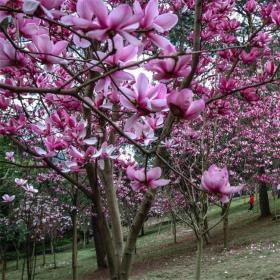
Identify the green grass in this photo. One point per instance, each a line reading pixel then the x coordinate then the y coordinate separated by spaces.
pixel 254 252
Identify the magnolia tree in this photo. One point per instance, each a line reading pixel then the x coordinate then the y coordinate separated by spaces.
pixel 76 91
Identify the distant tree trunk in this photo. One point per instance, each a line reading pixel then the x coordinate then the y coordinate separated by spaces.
pixel 198 257
pixel 23 268
pixel 28 251
pixel 44 252
pixel 98 243
pixel 74 239
pixel 53 252
pixel 3 262
pixel 264 201
pixel 174 227
pixel 34 261
pixel 225 225
pixel 17 252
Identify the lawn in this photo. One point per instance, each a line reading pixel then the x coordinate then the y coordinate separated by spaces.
pixel 254 252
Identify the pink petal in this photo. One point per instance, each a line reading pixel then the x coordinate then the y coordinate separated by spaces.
pixel 130 171
pixel 159 41
pixel 84 9
pixel 130 38
pixel 151 11
pixel 142 85
pixel 59 47
pixel 100 10
pixel 160 183
pixel 165 22
pixel 120 15
pixel 154 173
pixel 195 109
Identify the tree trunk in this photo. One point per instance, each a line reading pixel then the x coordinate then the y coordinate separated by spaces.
pixel 198 257
pixel 17 252
pixel 142 231
pixel 28 259
pixel 98 242
pixel 74 237
pixel 174 227
pixel 4 266
pixel 264 201
pixel 74 246
pixel 102 225
pixel 23 268
pixel 53 253
pixel 44 252
pixel 34 258
pixel 225 225
pixel 110 191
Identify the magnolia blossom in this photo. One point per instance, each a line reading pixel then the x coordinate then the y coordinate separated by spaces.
pixel 9 56
pixel 31 6
pixel 106 151
pixel 216 180
pixel 140 180
pixel 48 51
pixel 182 105
pixel 30 189
pixel 8 198
pixel 250 94
pixel 121 20
pixel 10 156
pixel 250 6
pixel 144 98
pixel 151 19
pixel 170 68
pixel 20 182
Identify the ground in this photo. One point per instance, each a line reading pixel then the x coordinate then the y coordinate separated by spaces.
pixel 254 250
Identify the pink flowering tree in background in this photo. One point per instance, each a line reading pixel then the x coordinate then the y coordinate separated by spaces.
pixel 84 82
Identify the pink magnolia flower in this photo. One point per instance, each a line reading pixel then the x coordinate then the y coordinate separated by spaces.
pixel 275 15
pixel 150 19
pixel 60 119
pixel 48 51
pixel 20 182
pixel 10 156
pixel 170 68
pixel 216 180
pixel 121 21
pixel 41 129
pixel 249 57
pixel 262 39
pixel 143 181
pixel 182 105
pixel 8 198
pixel 4 103
pixel 143 133
pixel 145 98
pixel 31 6
pixel 122 56
pixel 55 144
pixel 250 94
pixel 226 85
pixel 12 126
pixel 30 189
pixel 9 56
pixel 250 6
pixel 29 26
pixel 106 151
pixel 269 67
